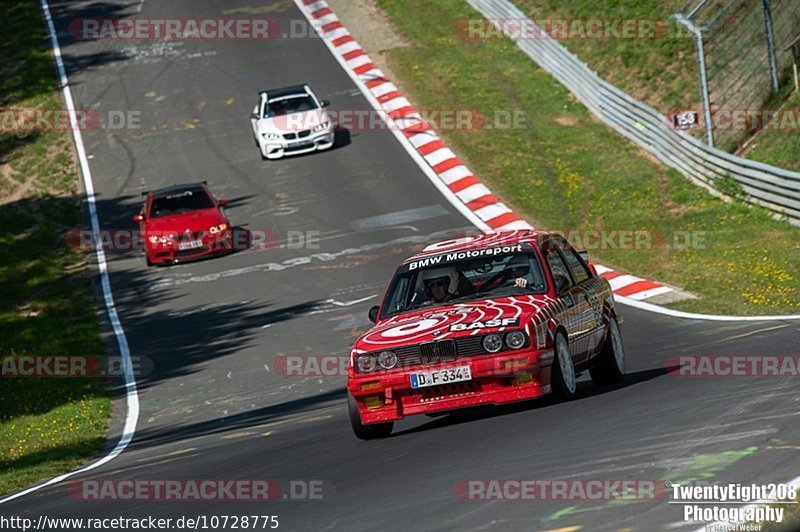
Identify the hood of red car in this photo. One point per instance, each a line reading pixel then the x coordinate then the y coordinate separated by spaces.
pixel 193 221
pixel 453 321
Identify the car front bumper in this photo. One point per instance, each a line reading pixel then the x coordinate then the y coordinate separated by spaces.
pixel 171 253
pixel 279 148
pixel 496 379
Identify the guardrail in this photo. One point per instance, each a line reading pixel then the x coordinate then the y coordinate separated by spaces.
pixel 773 188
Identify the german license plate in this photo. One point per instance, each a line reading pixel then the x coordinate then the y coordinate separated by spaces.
pixel 423 379
pixel 194 244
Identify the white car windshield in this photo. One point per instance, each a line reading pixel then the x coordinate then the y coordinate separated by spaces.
pixel 457 281
pixel 289 105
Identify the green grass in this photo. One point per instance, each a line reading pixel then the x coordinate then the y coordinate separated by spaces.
pixel 565 171
pixel 661 72
pixel 47 307
pixel 779 147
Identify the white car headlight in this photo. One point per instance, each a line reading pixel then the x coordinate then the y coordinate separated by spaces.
pixel 492 343
pixel 321 127
pixel 515 339
pixel 271 136
pixel 387 359
pixel 366 363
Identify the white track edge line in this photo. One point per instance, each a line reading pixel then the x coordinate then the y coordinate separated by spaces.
pixel 658 309
pixel 132 415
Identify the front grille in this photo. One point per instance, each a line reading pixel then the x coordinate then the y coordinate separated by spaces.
pixel 435 352
pixel 301 135
pixel 188 237
pixel 470 346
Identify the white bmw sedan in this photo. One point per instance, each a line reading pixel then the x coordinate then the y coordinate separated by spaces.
pixel 291 121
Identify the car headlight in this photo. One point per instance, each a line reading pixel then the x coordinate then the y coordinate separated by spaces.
pixel 492 343
pixel 387 359
pixel 271 136
pixel 216 229
pixel 515 339
pixel 322 127
pixel 160 239
pixel 365 363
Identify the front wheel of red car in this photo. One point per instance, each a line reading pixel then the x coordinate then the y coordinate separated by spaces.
pixel 562 376
pixel 609 367
pixel 362 431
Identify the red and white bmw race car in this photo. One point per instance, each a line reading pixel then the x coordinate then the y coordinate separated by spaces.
pixel 483 320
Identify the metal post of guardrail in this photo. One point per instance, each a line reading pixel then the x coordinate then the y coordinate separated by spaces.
pixel 793 48
pixel 701 64
pixel 773 60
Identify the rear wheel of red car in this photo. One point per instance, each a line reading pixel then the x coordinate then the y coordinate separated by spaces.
pixel 610 364
pixel 562 376
pixel 362 431
pixel 147 258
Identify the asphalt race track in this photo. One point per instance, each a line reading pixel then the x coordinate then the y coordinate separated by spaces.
pixel 212 406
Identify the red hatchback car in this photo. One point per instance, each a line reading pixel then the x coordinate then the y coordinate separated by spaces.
pixel 182 223
pixel 483 320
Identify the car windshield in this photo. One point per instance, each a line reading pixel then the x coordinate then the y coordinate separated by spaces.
pixel 289 105
pixel 181 202
pixel 449 278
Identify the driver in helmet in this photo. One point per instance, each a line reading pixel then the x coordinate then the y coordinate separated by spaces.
pixel 440 286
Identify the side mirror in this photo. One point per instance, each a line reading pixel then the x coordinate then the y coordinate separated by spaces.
pixel 223 203
pixel 324 103
pixel 373 314
pixel 562 282
pixel 138 217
